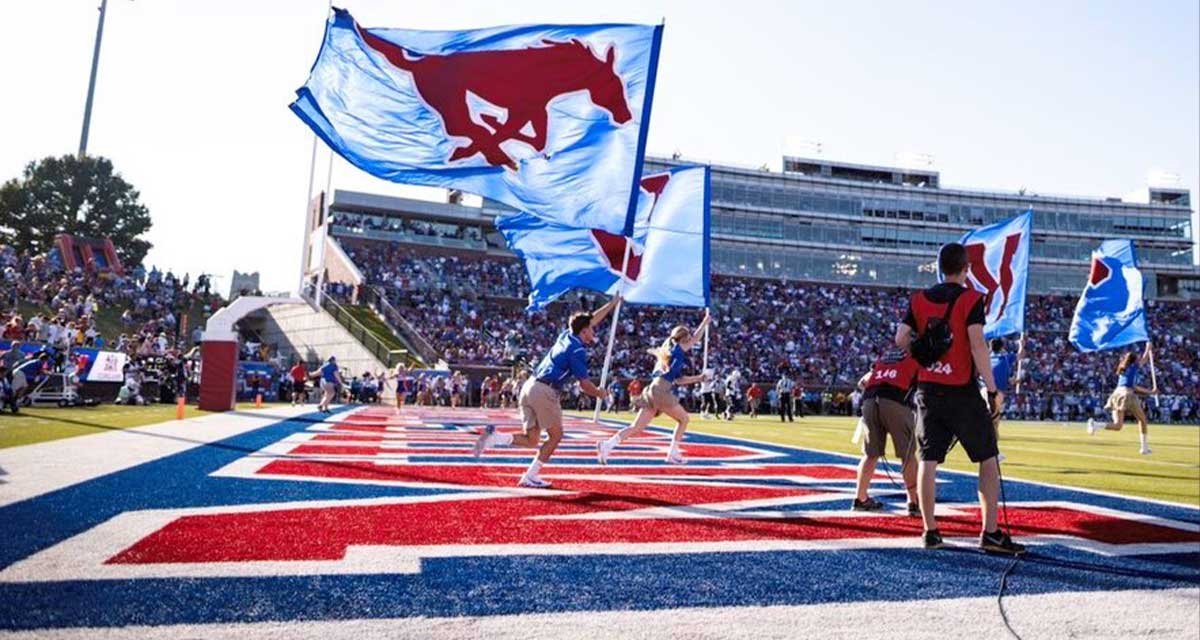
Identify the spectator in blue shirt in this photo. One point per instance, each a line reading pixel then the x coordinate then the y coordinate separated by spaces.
pixel 540 399
pixel 614 395
pixel 1004 365
pixel 671 361
pixel 331 380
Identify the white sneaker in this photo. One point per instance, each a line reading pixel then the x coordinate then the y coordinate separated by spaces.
pixel 1145 450
pixel 534 483
pixel 676 458
pixel 485 439
pixel 603 450
pixel 1091 426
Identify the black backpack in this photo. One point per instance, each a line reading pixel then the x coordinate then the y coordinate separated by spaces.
pixel 935 341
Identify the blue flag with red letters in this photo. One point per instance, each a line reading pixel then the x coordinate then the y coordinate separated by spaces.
pixel 1111 311
pixel 999 257
pixel 548 119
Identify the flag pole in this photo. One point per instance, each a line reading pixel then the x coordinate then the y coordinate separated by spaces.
pixel 1153 376
pixel 612 330
pixel 704 367
pixel 1020 362
pixel 305 253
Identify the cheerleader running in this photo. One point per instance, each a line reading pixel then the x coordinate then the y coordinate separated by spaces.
pixel 1124 399
pixel 659 397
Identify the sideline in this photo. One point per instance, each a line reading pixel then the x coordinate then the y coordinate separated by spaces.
pixel 39 468
pixel 1107 494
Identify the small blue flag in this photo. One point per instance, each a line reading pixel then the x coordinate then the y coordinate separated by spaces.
pixel 1111 311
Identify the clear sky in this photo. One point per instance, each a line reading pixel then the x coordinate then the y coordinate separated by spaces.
pixel 1056 96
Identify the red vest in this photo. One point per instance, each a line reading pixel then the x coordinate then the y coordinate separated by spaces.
pixel 895 372
pixel 956 367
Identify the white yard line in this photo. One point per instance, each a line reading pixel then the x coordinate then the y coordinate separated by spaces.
pixel 1079 454
pixel 948 470
pixel 36 469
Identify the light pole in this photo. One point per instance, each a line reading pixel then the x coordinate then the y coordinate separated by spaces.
pixel 87 109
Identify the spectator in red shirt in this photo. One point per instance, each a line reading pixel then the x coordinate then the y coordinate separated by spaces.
pixel 754 395
pixel 299 375
pixel 635 394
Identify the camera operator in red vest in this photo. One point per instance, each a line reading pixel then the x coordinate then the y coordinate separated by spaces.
pixel 886 412
pixel 949 406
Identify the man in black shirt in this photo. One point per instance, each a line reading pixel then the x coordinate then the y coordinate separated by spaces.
pixel 949 406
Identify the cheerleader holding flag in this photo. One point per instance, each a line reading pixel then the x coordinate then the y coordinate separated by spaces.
pixel 1111 314
pixel 665 262
pixel 671 360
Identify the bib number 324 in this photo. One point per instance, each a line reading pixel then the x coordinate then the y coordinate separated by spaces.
pixel 940 368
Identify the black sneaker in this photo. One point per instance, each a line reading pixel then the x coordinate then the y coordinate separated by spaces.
pixel 914 509
pixel 933 539
pixel 1000 542
pixel 870 504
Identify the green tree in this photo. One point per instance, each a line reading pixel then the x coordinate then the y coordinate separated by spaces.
pixel 79 196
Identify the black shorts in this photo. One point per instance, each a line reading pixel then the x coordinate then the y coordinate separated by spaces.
pixel 948 413
pixel 298 386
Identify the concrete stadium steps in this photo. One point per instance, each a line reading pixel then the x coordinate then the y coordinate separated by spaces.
pixel 314 334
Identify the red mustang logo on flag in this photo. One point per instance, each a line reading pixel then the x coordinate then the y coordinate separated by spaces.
pixel 517 86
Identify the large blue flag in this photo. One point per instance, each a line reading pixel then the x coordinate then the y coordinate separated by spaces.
pixel 1111 311
pixel 668 261
pixel 999 256
pixel 549 119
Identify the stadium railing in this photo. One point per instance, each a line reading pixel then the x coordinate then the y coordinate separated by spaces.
pixel 374 297
pixel 389 357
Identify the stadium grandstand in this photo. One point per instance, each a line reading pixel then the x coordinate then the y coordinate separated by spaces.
pixel 812 265
pixel 76 305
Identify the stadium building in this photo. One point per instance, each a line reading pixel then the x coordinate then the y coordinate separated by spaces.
pixel 842 223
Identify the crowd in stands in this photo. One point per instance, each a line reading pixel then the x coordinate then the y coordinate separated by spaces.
pixel 471 309
pixel 55 309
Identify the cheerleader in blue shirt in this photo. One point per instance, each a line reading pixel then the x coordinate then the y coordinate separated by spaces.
pixel 659 397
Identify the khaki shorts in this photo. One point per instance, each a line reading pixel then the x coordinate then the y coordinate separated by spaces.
pixel 1126 400
pixel 660 395
pixel 19 382
pixel 540 406
pixel 886 417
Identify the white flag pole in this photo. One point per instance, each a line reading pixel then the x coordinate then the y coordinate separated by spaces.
pixel 705 366
pixel 1154 377
pixel 612 330
pixel 1020 361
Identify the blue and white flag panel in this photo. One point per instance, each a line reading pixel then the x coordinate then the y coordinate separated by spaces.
pixel 1111 311
pixel 999 256
pixel 548 119
pixel 668 260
